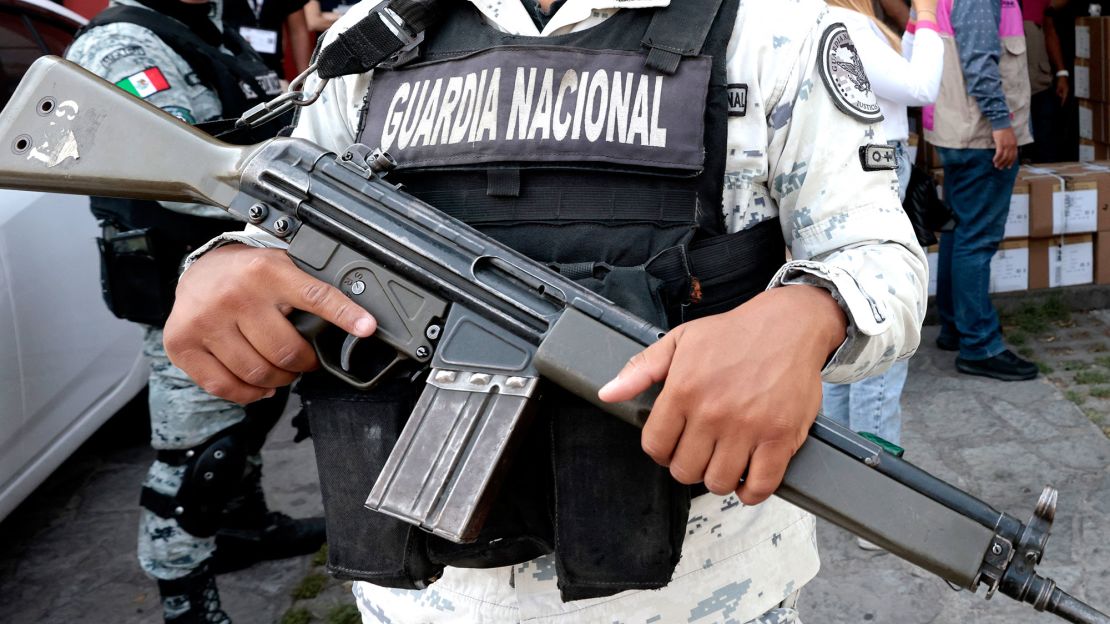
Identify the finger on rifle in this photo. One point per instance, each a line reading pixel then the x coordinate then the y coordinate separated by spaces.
pixel 730 458
pixel 215 379
pixel 241 359
pixel 664 428
pixel 307 293
pixel 765 471
pixel 647 367
pixel 277 340
pixel 692 455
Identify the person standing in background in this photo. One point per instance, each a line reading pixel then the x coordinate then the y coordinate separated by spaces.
pixel 262 22
pixel 980 118
pixel 903 73
pixel 1048 79
pixel 321 14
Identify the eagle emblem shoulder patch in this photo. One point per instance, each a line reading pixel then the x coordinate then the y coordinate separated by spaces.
pixel 843 74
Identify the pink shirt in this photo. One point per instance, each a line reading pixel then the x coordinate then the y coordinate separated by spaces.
pixel 1033 10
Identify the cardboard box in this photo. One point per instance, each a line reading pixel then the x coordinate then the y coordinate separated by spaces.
pixel 1102 258
pixel 1091 37
pixel 1091 79
pixel 932 254
pixel 1067 198
pixel 1017 221
pixel 1092 150
pixel 1010 267
pixel 1094 121
pixel 1061 261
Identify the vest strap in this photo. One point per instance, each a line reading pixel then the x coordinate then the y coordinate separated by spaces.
pixel 372 41
pixel 678 30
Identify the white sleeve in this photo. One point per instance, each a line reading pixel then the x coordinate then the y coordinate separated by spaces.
pixel 913 81
pixel 844 225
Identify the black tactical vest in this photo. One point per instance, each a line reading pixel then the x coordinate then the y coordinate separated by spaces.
pixel 140 264
pixel 602 154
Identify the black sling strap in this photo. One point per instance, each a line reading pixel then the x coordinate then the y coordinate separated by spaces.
pixel 678 30
pixel 373 41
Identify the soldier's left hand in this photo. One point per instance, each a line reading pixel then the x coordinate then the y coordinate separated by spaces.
pixel 740 392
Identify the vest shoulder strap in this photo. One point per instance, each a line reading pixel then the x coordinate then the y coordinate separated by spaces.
pixel 679 30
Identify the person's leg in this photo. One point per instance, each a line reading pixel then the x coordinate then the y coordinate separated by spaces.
pixel 182 417
pixel 876 403
pixel 834 402
pixel 979 195
pixel 949 335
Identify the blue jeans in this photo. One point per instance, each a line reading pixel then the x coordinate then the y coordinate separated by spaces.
pixel 874 404
pixel 979 195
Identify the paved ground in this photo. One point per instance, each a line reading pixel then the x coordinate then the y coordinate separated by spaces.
pixel 67 555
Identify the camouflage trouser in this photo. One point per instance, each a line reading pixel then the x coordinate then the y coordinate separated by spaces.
pixel 181 416
pixel 739 564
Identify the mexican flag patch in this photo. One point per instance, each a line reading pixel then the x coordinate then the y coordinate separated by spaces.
pixel 145 83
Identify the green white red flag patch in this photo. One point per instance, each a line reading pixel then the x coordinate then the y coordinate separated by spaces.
pixel 145 83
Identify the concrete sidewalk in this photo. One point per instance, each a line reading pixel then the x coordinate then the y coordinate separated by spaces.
pixel 67 554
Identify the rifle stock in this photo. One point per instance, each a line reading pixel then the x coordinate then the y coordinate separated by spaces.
pixel 63 132
pixel 487 321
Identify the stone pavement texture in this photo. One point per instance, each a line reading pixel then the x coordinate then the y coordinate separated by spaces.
pixel 67 555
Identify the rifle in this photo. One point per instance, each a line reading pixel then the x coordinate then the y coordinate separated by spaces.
pixel 488 322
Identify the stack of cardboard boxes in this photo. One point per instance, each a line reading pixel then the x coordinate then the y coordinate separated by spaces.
pixel 1092 86
pixel 1058 230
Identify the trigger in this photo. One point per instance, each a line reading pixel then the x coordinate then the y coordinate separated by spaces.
pixel 349 344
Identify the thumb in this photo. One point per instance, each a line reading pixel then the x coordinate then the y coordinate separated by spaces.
pixel 647 367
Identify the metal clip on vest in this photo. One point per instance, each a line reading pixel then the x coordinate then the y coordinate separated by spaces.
pixel 389 31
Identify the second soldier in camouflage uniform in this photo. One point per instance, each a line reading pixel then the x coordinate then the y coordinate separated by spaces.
pixel 204 488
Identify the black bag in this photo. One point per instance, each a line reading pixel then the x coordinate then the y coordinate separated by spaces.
pixel 927 212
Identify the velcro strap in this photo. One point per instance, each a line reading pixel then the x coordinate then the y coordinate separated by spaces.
pixel 678 30
pixel 503 182
pixel 159 504
pixel 723 259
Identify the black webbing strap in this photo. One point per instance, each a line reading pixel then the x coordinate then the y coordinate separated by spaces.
pixel 678 30
pixel 723 259
pixel 372 41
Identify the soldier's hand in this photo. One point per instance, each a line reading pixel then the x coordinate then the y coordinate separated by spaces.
pixel 229 331
pixel 741 390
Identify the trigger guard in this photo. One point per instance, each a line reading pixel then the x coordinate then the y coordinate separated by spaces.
pixel 342 370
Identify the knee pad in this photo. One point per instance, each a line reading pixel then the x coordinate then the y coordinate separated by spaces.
pixel 213 471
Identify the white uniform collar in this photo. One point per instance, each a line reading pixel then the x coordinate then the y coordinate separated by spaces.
pixel 511 16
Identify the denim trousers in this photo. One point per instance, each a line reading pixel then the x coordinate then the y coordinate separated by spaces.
pixel 874 404
pixel 979 196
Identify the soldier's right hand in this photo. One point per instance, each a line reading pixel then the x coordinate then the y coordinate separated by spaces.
pixel 229 331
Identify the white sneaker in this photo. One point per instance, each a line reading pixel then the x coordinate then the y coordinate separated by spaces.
pixel 867 545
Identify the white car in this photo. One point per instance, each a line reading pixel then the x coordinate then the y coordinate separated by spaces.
pixel 66 364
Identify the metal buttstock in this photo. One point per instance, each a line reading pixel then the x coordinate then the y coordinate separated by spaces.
pixel 66 130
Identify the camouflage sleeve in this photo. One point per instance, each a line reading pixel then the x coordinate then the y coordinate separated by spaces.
pixel 136 60
pixel 838 203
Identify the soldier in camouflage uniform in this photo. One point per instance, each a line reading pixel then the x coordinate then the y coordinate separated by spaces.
pixel 802 152
pixel 204 489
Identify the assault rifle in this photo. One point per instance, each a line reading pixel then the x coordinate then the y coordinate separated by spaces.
pixel 487 321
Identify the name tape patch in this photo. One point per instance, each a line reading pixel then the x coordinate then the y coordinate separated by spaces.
pixel 878 158
pixel 549 105
pixel 737 100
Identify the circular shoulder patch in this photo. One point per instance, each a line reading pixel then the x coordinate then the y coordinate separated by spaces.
pixel 843 74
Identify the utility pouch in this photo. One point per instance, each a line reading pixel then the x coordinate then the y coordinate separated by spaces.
pixel 136 281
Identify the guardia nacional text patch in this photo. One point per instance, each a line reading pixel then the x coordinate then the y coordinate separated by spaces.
pixel 844 76
pixel 737 100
